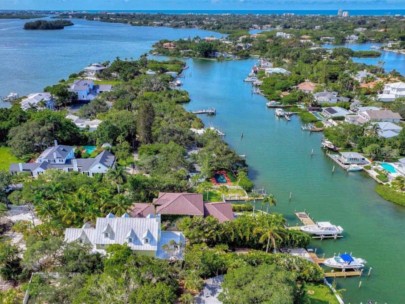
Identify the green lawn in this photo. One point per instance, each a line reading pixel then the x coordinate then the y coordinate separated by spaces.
pixel 6 158
pixel 320 294
pixel 390 194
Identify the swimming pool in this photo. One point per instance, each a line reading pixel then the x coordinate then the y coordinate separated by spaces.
pixel 220 178
pixel 89 149
pixel 388 167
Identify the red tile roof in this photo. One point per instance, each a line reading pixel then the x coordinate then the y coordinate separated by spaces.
pixel 180 203
pixel 141 210
pixel 221 211
pixel 183 204
pixel 306 86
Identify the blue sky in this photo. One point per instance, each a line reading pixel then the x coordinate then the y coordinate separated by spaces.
pixel 200 4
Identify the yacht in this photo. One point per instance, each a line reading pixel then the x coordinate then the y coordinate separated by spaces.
pixel 280 112
pixel 11 97
pixel 326 144
pixel 344 261
pixel 272 104
pixel 354 168
pixel 322 229
pixel 250 79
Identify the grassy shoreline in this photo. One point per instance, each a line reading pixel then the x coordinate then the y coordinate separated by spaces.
pixel 391 195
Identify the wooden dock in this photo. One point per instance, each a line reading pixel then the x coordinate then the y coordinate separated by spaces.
pixel 211 111
pixel 304 218
pixel 343 274
pixel 315 258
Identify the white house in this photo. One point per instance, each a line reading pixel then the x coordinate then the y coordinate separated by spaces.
pixel 334 112
pixel 388 129
pixel 271 71
pixel 142 235
pixel 283 35
pixel 392 91
pixel 84 123
pixel 61 157
pixel 352 158
pixel 86 90
pixel 379 115
pixel 38 101
pixel 94 69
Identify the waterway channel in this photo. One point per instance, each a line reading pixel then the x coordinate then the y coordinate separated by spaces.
pixel 278 152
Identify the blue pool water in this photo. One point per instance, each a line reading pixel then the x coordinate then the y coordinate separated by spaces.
pixel 220 178
pixel 90 149
pixel 388 167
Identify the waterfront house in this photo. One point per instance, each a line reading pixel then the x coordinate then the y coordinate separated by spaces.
pixel 38 101
pixel 326 97
pixel 284 35
pixel 94 70
pixel 392 91
pixel 169 45
pixel 81 123
pixel 388 129
pixel 352 158
pixel 86 90
pixel 361 76
pixel 62 157
pixel 306 86
pixel 187 204
pixel 352 38
pixel 271 71
pixel 379 116
pixel 143 235
pixel 334 112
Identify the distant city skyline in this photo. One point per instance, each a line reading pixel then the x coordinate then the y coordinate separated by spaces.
pixel 201 4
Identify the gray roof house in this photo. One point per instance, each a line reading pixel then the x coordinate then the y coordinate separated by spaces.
pixel 334 112
pixel 329 97
pixel 62 157
pixel 388 129
pixel 142 235
pixel 86 90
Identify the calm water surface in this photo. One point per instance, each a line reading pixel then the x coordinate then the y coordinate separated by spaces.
pixel 278 152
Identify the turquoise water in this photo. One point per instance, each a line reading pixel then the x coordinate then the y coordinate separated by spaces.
pixel 90 149
pixel 390 60
pixel 220 178
pixel 278 152
pixel 279 157
pixel 388 167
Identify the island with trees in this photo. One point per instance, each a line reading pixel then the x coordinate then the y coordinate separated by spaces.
pixel 47 25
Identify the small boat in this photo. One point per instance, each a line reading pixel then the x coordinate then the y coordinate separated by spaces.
pixel 178 83
pixel 272 104
pixel 344 261
pixel 354 168
pixel 322 229
pixel 250 79
pixel 287 117
pixel 10 97
pixel 279 113
pixel 326 144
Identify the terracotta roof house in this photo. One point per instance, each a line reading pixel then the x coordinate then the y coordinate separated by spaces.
pixel 190 204
pixel 306 86
pixel 221 211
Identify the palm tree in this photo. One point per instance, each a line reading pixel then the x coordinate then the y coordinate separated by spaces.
pixel 117 176
pixel 270 228
pixel 224 190
pixel 270 200
pixel 204 188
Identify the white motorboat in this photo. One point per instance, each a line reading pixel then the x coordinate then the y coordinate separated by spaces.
pixel 11 97
pixel 326 144
pixel 344 261
pixel 322 229
pixel 279 112
pixel 250 79
pixel 272 104
pixel 354 168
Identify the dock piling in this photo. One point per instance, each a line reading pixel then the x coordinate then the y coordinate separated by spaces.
pixel 369 271
pixel 290 196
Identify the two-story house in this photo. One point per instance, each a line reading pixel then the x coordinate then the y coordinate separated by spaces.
pixel 392 91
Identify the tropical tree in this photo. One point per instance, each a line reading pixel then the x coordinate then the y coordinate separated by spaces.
pixel 204 188
pixel 269 200
pixel 270 230
pixel 117 176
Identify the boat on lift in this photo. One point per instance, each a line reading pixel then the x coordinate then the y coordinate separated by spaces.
pixel 280 113
pixel 322 229
pixel 345 261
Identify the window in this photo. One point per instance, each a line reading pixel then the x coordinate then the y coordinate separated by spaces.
pixel 106 234
pixel 130 240
pixel 146 240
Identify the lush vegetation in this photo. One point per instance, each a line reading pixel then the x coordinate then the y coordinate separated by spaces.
pixel 391 194
pixel 7 158
pixel 47 25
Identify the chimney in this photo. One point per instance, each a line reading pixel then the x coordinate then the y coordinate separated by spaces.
pixel 20 166
pixel 74 163
pixel 55 142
